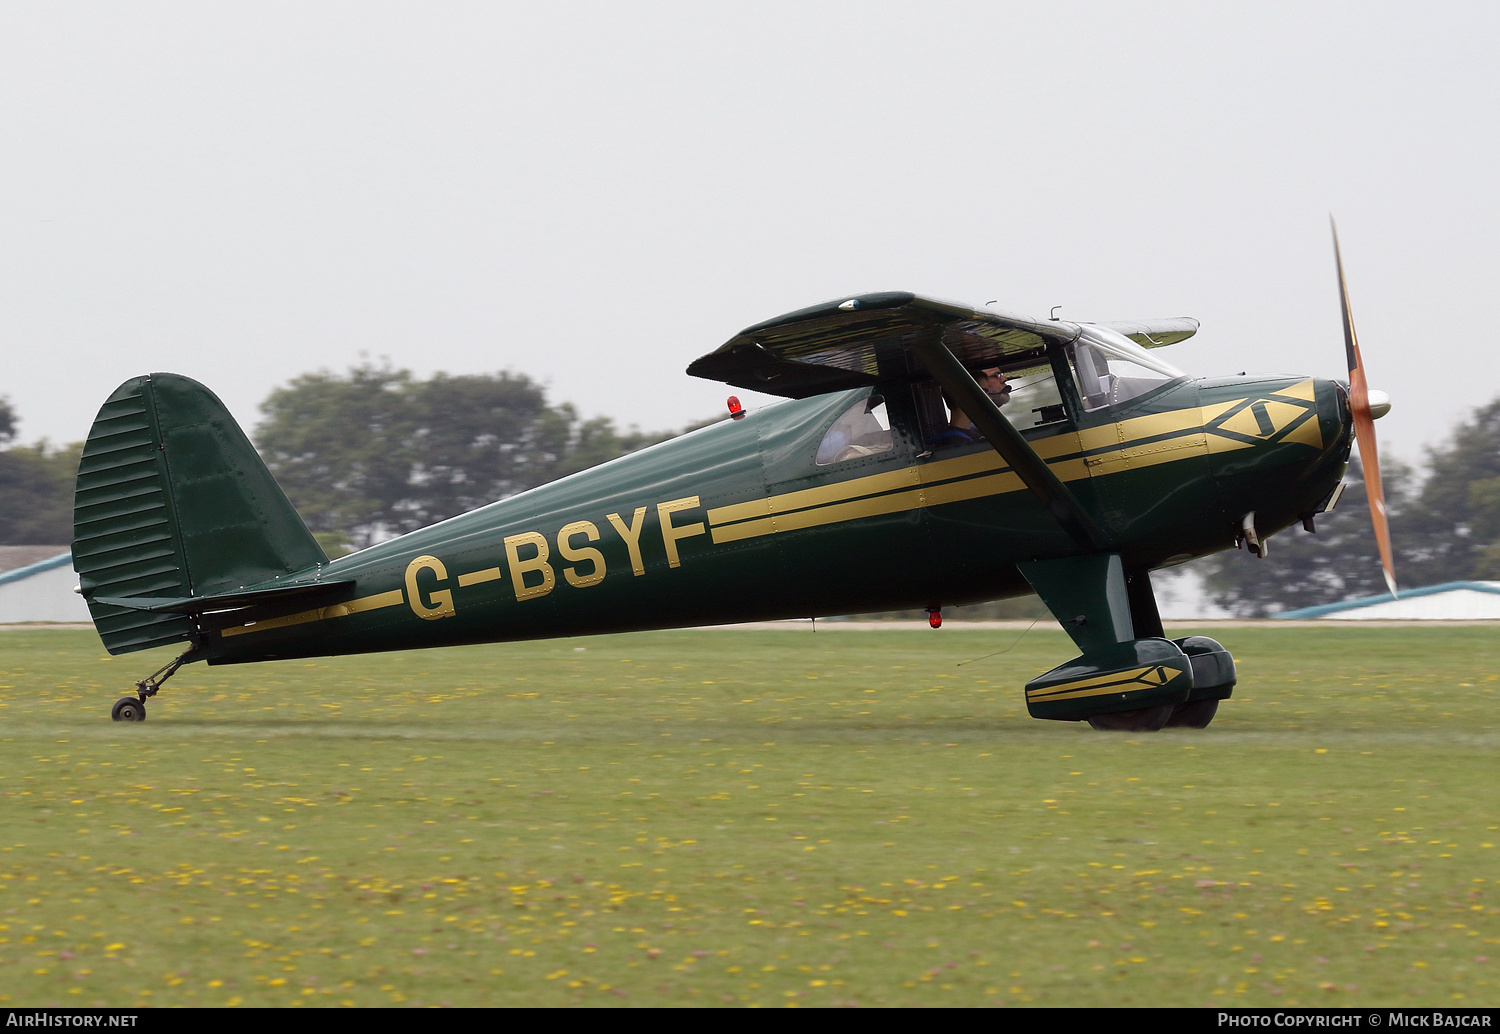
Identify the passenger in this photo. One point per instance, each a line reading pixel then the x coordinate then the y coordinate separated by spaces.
pixel 960 428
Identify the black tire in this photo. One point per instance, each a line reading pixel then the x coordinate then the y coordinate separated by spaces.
pixel 128 709
pixel 1142 719
pixel 1195 714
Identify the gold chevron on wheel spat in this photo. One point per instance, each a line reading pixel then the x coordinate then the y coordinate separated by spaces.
pixel 1151 677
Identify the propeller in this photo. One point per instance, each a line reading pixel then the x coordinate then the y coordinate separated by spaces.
pixel 1364 424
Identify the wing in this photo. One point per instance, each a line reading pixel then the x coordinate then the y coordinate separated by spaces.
pixel 857 341
pixel 1156 333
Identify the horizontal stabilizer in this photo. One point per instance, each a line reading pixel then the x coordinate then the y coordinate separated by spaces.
pixel 302 595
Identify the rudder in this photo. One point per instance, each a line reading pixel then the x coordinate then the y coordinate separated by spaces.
pixel 172 500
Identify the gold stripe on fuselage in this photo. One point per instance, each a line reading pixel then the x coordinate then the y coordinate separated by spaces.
pixel 394 598
pixel 1143 441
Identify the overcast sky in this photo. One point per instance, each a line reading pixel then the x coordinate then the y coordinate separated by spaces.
pixel 594 194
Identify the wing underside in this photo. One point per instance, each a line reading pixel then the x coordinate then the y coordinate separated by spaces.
pixel 862 340
pixel 878 337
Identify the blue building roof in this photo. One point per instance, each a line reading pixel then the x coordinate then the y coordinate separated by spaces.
pixel 1384 597
pixel 36 568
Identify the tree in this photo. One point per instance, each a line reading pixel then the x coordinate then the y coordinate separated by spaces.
pixel 376 451
pixel 1339 562
pixel 1447 528
pixel 1460 504
pixel 36 487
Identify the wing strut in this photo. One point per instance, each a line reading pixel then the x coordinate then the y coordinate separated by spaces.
pixel 1008 442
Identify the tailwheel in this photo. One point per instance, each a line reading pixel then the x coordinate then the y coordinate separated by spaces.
pixel 133 709
pixel 1194 714
pixel 1142 719
pixel 129 709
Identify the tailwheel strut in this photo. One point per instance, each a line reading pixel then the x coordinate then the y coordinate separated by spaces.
pixel 133 709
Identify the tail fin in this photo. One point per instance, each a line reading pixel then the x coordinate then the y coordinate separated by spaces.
pixel 173 501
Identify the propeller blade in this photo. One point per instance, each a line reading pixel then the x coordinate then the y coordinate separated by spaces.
pixel 1364 425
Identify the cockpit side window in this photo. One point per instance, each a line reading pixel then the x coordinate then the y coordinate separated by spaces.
pixel 1110 371
pixel 863 429
pixel 1027 396
pixel 1034 398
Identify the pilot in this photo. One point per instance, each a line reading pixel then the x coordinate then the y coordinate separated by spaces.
pixel 960 428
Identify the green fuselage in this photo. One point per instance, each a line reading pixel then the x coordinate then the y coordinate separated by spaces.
pixel 738 522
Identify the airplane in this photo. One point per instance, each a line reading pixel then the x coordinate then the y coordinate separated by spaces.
pixel 1096 463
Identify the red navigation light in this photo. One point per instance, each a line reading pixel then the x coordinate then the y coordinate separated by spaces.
pixel 935 617
pixel 735 409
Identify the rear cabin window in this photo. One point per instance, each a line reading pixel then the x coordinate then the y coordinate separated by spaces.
pixel 863 429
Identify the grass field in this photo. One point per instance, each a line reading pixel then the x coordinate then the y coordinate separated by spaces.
pixel 742 817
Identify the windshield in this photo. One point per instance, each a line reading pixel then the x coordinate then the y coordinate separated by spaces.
pixel 1112 369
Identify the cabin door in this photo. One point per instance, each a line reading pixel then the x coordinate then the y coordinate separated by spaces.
pixel 846 503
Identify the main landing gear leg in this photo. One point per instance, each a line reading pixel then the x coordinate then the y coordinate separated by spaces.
pixel 133 709
pixel 1129 677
